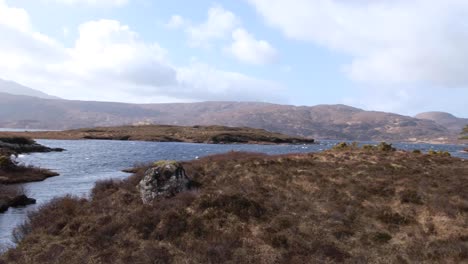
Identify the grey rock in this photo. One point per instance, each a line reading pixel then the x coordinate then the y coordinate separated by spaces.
pixel 164 179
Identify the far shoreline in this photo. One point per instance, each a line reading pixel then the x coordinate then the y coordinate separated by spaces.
pixel 168 133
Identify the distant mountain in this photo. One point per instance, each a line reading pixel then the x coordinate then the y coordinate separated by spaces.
pixel 18 89
pixel 320 122
pixel 451 122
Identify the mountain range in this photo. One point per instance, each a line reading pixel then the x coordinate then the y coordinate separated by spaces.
pixel 40 111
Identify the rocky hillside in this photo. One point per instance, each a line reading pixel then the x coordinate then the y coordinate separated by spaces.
pixel 451 122
pixel 321 122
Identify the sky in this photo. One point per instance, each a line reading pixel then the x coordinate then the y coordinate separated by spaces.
pixel 403 56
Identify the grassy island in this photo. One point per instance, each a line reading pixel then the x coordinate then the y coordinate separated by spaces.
pixel 166 133
pixel 348 204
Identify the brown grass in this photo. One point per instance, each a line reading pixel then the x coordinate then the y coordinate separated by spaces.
pixel 166 133
pixel 348 205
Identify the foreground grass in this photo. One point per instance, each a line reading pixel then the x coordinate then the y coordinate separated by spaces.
pixel 344 205
pixel 166 133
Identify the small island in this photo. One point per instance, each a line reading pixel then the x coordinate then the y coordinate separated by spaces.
pixel 169 133
pixel 351 204
pixel 11 172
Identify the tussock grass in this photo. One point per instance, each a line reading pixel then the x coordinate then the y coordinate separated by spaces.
pixel 346 205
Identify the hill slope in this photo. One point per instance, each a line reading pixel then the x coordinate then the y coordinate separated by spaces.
pixel 451 122
pixel 321 122
pixel 18 89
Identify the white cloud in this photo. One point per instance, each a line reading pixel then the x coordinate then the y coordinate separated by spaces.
pixel 109 61
pixel 175 22
pixel 21 46
pixel 219 25
pixel 15 18
pixel 100 3
pixel 107 49
pixel 389 41
pixel 224 85
pixel 247 49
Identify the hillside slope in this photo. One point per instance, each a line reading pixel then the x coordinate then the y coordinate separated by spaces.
pixel 451 122
pixel 321 122
pixel 18 89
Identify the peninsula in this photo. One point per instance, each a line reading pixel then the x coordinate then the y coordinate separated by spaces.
pixel 168 133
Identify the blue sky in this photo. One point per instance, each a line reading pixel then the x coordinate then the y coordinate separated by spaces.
pixel 398 56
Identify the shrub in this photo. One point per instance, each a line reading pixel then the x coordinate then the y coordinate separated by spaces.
pixel 383 146
pixel 411 196
pixel 345 146
pixel 439 153
pixel 6 163
pixel 381 237
pixel 393 218
pixel 368 147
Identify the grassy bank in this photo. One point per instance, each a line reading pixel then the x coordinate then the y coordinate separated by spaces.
pixel 371 205
pixel 165 133
pixel 12 172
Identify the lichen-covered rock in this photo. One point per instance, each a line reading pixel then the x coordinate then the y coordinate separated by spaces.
pixel 163 179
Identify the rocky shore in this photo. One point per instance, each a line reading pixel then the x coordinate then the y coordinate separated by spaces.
pixel 18 145
pixel 372 204
pixel 14 201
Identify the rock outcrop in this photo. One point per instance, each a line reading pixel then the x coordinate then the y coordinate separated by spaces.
pixel 164 179
pixel 17 201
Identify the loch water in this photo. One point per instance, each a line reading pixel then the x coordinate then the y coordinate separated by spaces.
pixel 86 161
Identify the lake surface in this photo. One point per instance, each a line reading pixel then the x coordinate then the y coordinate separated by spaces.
pixel 86 161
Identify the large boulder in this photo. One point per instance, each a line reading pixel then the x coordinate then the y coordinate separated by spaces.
pixel 164 179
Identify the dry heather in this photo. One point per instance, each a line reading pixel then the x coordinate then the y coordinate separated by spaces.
pixel 344 205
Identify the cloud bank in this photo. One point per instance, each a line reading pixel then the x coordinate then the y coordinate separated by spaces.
pixel 389 41
pixel 109 61
pixel 219 25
